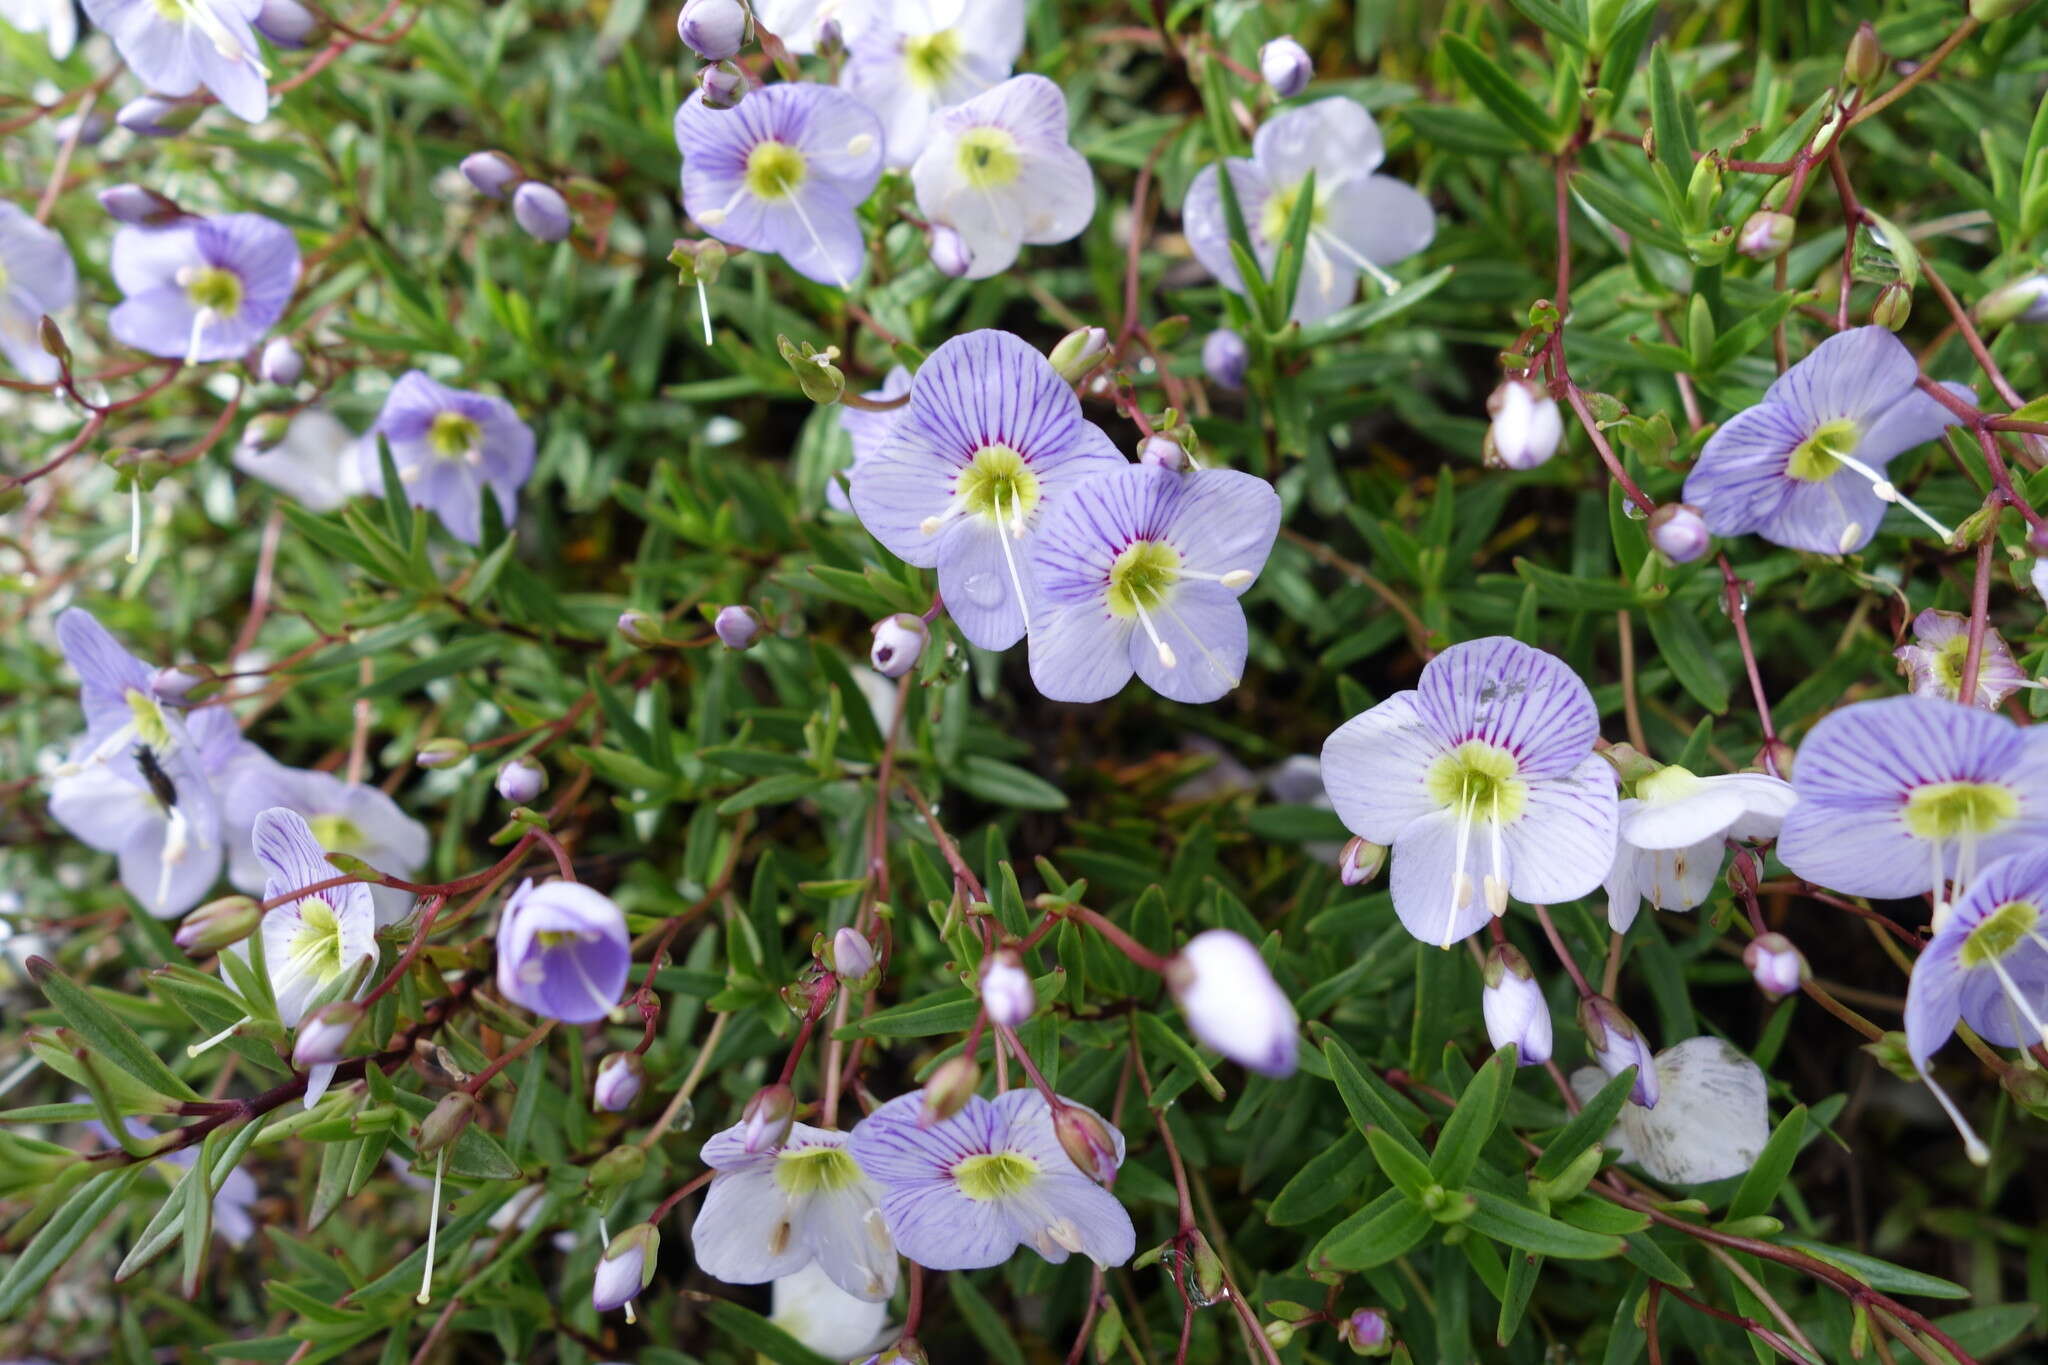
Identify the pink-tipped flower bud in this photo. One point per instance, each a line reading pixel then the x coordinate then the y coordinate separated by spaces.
pixel 947 1090
pixel 1766 235
pixel 641 629
pixel 852 955
pixel 617 1083
pixel 1286 66
pixel 323 1034
pixel 1006 990
pixel 1165 452
pixel 737 626
pixel 1514 1007
pixel 216 924
pixel 899 644
pixel 138 206
pixel 713 29
pixel 831 39
pixel 950 256
pixel 626 1269
pixel 724 85
pixel 1226 358
pixel 1617 1044
pixel 287 23
pixel 155 116
pixel 280 362
pixel 491 173
pixel 1367 1332
pixel 1089 1140
pixel 1527 427
pixel 1360 862
pixel 541 210
pixel 1679 532
pixel 456 1111
pixel 1776 966
pixel 521 780
pixel 1079 352
pixel 1232 1003
pixel 768 1118
pixel 441 753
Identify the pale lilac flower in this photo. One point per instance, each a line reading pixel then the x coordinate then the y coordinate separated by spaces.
pixel 824 1317
pixel 1710 1122
pixel 1140 570
pixel 1775 965
pixel 1672 833
pixel 319 463
pixel 997 170
pixel 175 47
pixel 1361 222
pixel 909 59
pixel 319 947
pixel 204 288
pixel 713 29
pixel 990 444
pixel 1900 796
pixel 355 818
pixel 124 708
pixel 451 447
pixel 37 279
pixel 771 1212
pixel 155 810
pixel 1485 768
pixel 58 19
pixel 563 951
pixel 1514 1008
pixel 1232 1003
pixel 867 432
pixel 625 1269
pixel 1225 358
pixel 1805 468
pixel 1286 66
pixel 784 172
pixel 1934 662
pixel 965 1192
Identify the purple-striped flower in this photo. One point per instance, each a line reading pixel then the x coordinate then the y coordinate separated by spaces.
pixel 58 19
pixel 1484 783
pixel 37 278
pixel 1139 570
pixel 155 810
pixel 771 1212
pixel 867 431
pixel 451 447
pixel 204 288
pixel 355 818
pixel 997 170
pixel 177 46
pixel 965 1192
pixel 1901 796
pixel 1361 222
pixel 316 948
pixel 909 59
pixel 1672 833
pixel 1805 468
pixel 784 172
pixel 991 442
pixel 1934 662
pixel 563 951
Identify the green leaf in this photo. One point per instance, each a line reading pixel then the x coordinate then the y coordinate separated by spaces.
pixel 985 1322
pixel 1683 645
pixel 54 1242
pixel 1554 20
pixel 1409 1173
pixel 105 1034
pixel 1668 122
pixel 1330 1178
pixel 1892 1279
pixel 1382 1231
pixel 1362 1097
pixel 756 1333
pixel 1006 784
pixel 1518 1226
pixel 1163 1042
pixel 1472 1122
pixel 1759 1188
pixel 1498 91
pixel 1587 1127
pixel 1580 594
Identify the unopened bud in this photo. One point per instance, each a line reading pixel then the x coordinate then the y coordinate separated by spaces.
pixel 456 1111
pixel 768 1118
pixel 1617 1044
pixel 1286 66
pixel 1894 305
pixel 1991 11
pixel 617 1084
pixel 1088 1140
pixel 216 924
pixel 815 372
pixel 626 1269
pixel 1367 1333
pixel 441 753
pixel 713 29
pixel 323 1034
pixel 1079 352
pixel 265 430
pixel 1776 966
pixel 1006 990
pixel 851 955
pixel 698 260
pixel 280 362
pixel 1165 452
pixel 1226 358
pixel 642 630
pixel 1865 60
pixel 619 1166
pixel 491 173
pixel 831 39
pixel 541 210
pixel 177 682
pixel 1279 1332
pixel 899 644
pixel 138 206
pixel 1205 1267
pixel 51 337
pixel 949 1087
pixel 1766 235
pixel 1514 1007
pixel 287 23
pixel 521 780
pixel 1679 532
pixel 949 252
pixel 2023 300
pixel 155 116
pixel 724 85
pixel 1526 429
pixel 1232 1003
pixel 1360 862
pixel 737 626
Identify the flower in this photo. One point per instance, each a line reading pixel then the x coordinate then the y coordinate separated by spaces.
pixel 1900 795
pixel 784 172
pixel 520 780
pixel 1514 1007
pixel 626 1268
pixel 771 1212
pixel 1672 831
pixel 1140 571
pixel 619 1078
pixel 1527 427
pixel 355 818
pixel 713 29
pixel 563 951
pixel 909 59
pixel 1679 532
pixel 899 644
pixel 991 442
pixel 1934 662
pixel 824 1317
pixel 736 626
pixel 1775 965
pixel 1711 1121
pixel 997 170
pixel 175 47
pixel 800 23
pixel 37 279
pixel 966 1192
pixel 1361 222
pixel 155 810
pixel 1225 358
pixel 1006 990
pixel 319 463
pixel 1617 1044
pixel 203 288
pixel 123 708
pixel 131 203
pixel 450 446
pixel 1232 1002
pixel 1488 762
pixel 56 18
pixel 317 947
pixel 1805 467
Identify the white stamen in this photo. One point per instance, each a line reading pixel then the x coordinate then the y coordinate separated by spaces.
pixel 1973 1146
pixel 2018 1000
pixel 1495 884
pixel 711 217
pixel 177 833
pixel 1331 240
pixel 426 1294
pixel 134 522
pixel 1236 578
pixel 1010 555
pixel 860 144
pixel 1851 533
pixel 1887 491
pixel 1942 903
pixel 197 1048
pixel 201 320
pixel 935 523
pixel 1461 885
pixel 704 311
pixel 412 473
pixel 1167 658
pixel 797 203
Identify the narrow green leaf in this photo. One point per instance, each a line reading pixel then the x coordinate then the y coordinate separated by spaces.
pixel 1759 1188
pixel 53 1244
pixel 1668 123
pixel 1472 1122
pixel 106 1034
pixel 1519 1226
pixel 1410 1174
pixel 1369 1109
pixel 1587 1127
pixel 1499 92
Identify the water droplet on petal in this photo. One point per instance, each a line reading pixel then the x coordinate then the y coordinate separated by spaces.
pixel 1632 509
pixel 983 589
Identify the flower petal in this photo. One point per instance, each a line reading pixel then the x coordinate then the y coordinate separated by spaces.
pixel 1564 842
pixel 1504 692
pixel 1334 137
pixel 1205 628
pixel 1855 374
pixel 1425 866
pixel 1376 767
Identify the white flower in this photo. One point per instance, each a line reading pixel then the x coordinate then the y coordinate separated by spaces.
pixel 908 59
pixel 317 462
pixel 798 22
pixel 1672 831
pixel 998 172
pixel 1232 1002
pixel 773 1212
pixel 1711 1122
pixel 353 818
pixel 825 1317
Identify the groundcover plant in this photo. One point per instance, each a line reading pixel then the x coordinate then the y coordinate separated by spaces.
pixel 1023 680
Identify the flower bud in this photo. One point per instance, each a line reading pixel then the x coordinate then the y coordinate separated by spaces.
pixel 216 924
pixel 619 1166
pixel 1765 235
pixel 1514 1007
pixel 1006 991
pixel 768 1118
pixel 155 116
pixel 816 374
pixel 618 1081
pixel 491 172
pixel 1360 862
pixel 831 38
pixel 899 644
pixel 1991 11
pixel 1225 358
pixel 1894 305
pixel 265 430
pixel 136 205
pixel 713 29
pixel 627 1267
pixel 1280 1332
pixel 737 626
pixel 1679 532
pixel 280 362
pixel 521 779
pixel 1088 1140
pixel 1777 967
pixel 542 211
pixel 724 85
pixel 1079 352
pixel 323 1034
pixel 456 1111
pixel 441 753
pixel 2023 300
pixel 1865 60
pixel 851 955
pixel 1232 1003
pixel 176 682
pixel 949 1087
pixel 1366 1332
pixel 1286 66
pixel 1165 452
pixel 1617 1044
pixel 950 256
pixel 287 23
pixel 1527 427
pixel 641 629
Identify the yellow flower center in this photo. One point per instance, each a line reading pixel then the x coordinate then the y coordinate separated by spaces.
pixel 997 1175
pixel 774 170
pixel 1669 783
pixel 557 938
pixel 1950 810
pixel 932 57
pixel 2003 930
pixel 1141 576
pixel 215 288
pixel 988 158
pixel 148 715
pixel 316 948
pixel 1279 211
pixel 1948 664
pixel 1481 779
pixel 815 1170
pixel 452 435
pixel 1815 460
pixel 999 484
pixel 335 831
